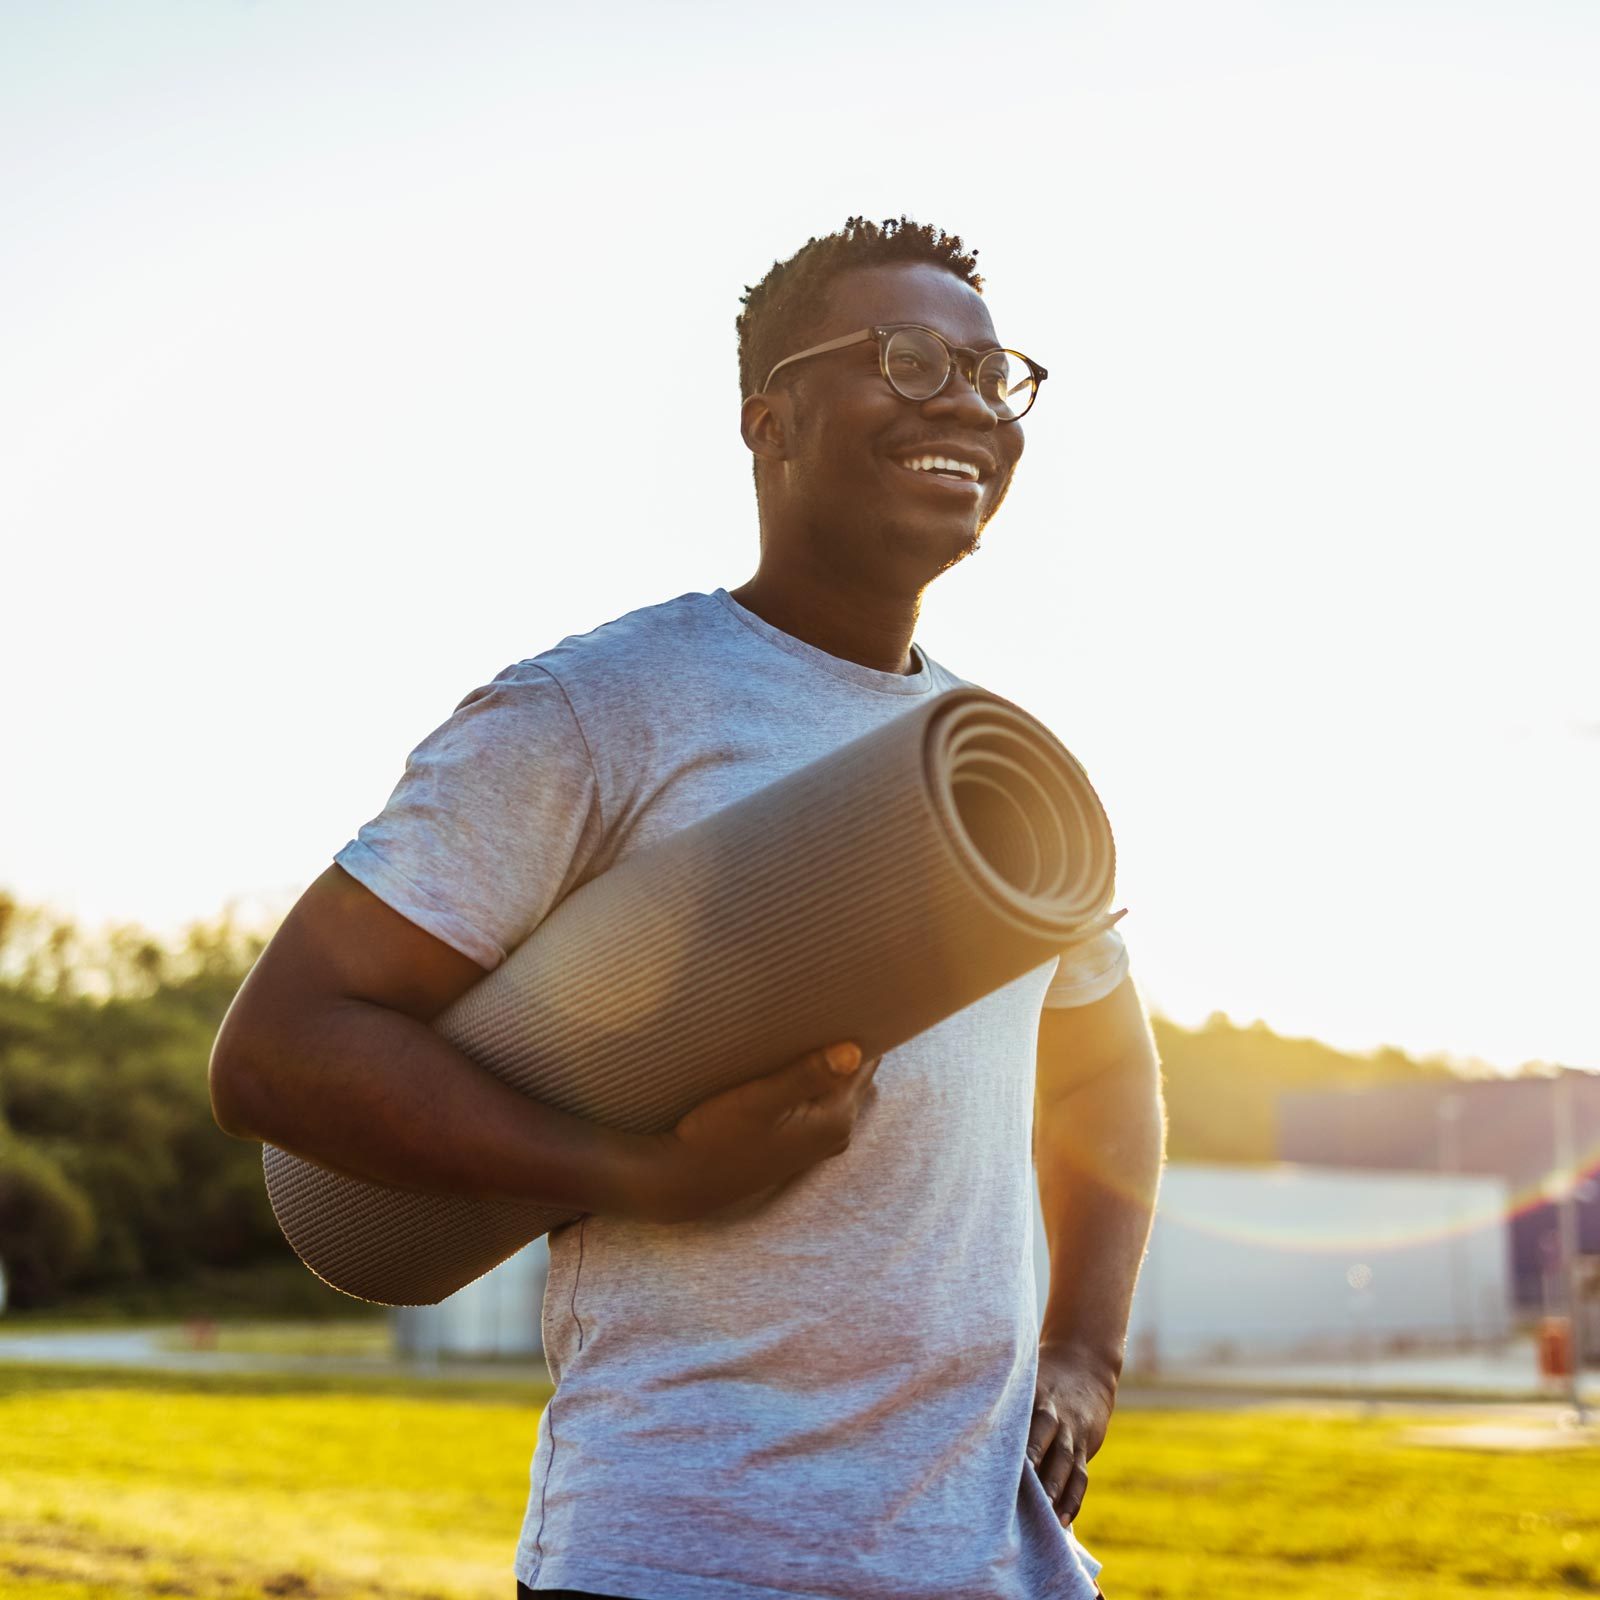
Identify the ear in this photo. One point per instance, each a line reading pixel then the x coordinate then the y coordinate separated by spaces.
pixel 764 420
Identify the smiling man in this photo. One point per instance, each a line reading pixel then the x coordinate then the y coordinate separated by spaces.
pixel 835 1387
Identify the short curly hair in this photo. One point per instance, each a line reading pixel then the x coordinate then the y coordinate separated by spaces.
pixel 792 295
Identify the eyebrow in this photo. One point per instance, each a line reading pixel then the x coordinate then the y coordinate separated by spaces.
pixel 948 339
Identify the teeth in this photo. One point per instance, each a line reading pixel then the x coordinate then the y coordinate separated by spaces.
pixel 942 464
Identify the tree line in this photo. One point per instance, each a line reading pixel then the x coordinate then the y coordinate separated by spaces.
pixel 111 1168
pixel 112 1171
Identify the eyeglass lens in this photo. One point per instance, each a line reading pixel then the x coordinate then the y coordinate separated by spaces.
pixel 917 361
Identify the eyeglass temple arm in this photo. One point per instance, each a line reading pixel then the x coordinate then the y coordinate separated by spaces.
pixel 1036 375
pixel 821 350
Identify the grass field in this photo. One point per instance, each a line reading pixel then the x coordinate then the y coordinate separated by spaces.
pixel 368 1339
pixel 244 1488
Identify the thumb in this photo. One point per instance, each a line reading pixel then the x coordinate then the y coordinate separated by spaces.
pixel 813 1076
pixel 822 1073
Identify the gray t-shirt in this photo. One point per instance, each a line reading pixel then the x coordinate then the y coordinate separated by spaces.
pixel 825 1392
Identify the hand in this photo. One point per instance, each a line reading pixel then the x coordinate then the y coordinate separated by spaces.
pixel 1071 1411
pixel 757 1135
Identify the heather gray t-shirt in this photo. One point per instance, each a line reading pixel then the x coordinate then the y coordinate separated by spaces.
pixel 822 1393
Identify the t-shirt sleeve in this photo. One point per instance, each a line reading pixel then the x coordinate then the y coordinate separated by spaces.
pixel 1088 972
pixel 493 821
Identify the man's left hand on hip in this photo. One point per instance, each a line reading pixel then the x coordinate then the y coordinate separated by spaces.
pixel 1071 1411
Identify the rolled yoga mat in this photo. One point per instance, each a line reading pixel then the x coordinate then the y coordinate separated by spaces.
pixel 867 896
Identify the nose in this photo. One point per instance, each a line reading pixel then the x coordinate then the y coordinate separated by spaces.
pixel 960 400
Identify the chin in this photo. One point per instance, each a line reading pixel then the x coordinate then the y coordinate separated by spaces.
pixel 933 550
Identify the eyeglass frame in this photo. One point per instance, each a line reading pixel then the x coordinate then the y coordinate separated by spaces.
pixel 969 369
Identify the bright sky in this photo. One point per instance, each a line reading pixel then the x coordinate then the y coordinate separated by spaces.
pixel 352 351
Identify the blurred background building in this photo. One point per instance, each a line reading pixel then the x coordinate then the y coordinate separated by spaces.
pixel 1245 1263
pixel 495 1315
pixel 1296 1263
pixel 1534 1133
pixel 1408 1216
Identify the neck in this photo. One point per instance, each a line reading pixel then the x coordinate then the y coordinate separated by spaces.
pixel 847 620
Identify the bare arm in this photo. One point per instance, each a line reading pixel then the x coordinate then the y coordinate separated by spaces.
pixel 327 1051
pixel 1099 1133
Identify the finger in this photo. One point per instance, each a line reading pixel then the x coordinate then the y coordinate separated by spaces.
pixel 843 1095
pixel 1070 1501
pixel 1064 1478
pixel 1056 1468
pixel 825 1124
pixel 812 1077
pixel 843 1058
pixel 1041 1433
pixel 858 1085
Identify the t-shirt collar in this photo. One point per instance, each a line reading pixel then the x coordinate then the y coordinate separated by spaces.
pixel 917 682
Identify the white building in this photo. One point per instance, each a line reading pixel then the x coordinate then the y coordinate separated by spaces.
pixel 1245 1263
pixel 1292 1261
pixel 495 1315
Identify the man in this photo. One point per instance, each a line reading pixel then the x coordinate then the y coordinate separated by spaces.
pixel 831 1387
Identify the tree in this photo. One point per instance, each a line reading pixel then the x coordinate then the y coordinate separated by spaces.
pixel 46 1224
pixel 112 1170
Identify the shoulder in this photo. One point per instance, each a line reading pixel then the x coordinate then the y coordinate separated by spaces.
pixel 644 640
pixel 661 667
pixel 640 642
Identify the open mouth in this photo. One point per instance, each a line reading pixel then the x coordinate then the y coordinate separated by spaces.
pixel 944 469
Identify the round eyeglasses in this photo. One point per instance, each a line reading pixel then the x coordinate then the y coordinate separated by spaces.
pixel 917 364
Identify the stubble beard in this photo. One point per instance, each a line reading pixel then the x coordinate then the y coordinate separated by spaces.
pixel 901 556
pixel 916 544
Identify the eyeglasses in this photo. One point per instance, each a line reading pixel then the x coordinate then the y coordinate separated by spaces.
pixel 917 363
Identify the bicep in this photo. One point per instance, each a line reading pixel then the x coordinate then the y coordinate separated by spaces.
pixel 342 943
pixel 340 946
pixel 1080 1043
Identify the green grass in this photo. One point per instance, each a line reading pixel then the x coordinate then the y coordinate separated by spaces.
pixel 1334 1507
pixel 242 1489
pixel 246 1487
pixel 366 1339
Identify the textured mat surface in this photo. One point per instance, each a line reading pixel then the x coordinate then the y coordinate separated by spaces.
pixel 867 896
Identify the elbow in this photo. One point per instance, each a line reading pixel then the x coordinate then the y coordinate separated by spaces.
pixel 234 1084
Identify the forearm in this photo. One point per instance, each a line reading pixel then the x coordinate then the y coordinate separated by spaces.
pixel 379 1095
pixel 1098 1149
